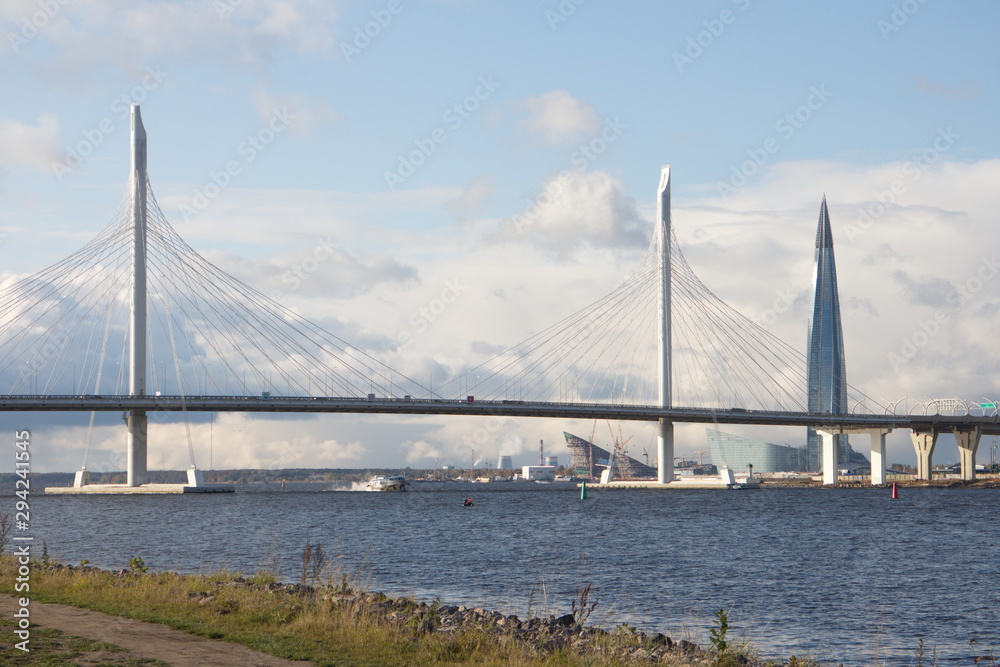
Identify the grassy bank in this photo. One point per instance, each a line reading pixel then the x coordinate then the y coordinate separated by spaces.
pixel 336 625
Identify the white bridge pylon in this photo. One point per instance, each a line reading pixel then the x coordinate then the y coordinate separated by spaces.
pixel 137 474
pixel 660 339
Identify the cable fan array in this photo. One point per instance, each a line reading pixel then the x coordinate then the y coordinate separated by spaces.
pixel 64 330
pixel 607 352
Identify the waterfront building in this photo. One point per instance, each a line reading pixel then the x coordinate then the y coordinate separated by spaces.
pixel 589 460
pixel 538 473
pixel 738 452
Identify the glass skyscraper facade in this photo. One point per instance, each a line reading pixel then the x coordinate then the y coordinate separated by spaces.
pixel 738 452
pixel 826 371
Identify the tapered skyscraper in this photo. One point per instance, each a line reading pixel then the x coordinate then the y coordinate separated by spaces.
pixel 826 371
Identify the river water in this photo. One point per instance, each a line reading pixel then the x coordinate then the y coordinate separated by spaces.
pixel 843 576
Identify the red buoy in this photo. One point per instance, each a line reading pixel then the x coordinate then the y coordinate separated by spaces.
pixel 895 491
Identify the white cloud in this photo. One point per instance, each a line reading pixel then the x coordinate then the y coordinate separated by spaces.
pixel 754 249
pixel 577 209
pixel 558 118
pixel 420 452
pixel 91 34
pixel 35 146
pixel 466 206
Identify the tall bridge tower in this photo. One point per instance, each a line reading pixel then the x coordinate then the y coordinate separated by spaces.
pixel 665 429
pixel 137 422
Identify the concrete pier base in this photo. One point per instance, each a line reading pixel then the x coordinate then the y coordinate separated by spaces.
pixel 195 477
pixel 829 457
pixel 144 489
pixel 82 478
pixel 136 465
pixel 665 452
pixel 968 443
pixel 694 482
pixel 877 456
pixel 924 443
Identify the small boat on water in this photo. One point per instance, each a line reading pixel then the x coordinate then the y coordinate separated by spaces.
pixel 384 483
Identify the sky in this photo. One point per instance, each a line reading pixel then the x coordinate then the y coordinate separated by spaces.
pixel 407 144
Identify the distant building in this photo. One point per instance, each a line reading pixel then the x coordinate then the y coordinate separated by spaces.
pixel 552 461
pixel 539 473
pixel 589 460
pixel 505 463
pixel 737 452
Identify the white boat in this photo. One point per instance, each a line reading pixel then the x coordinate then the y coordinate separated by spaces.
pixel 383 483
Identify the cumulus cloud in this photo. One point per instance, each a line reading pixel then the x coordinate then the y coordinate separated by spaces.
pixel 577 209
pixel 466 206
pixel 420 452
pixel 94 33
pixel 326 270
pixel 558 118
pixel 25 145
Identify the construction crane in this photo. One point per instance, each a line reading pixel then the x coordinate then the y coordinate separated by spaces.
pixel 701 455
pixel 620 452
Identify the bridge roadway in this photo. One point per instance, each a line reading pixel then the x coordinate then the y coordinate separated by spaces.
pixel 986 424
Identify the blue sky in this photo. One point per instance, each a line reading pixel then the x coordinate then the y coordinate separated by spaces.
pixel 760 108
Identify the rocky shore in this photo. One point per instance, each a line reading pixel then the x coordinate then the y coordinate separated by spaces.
pixel 331 623
pixel 540 636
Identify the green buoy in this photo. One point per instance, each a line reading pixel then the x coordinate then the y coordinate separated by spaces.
pixel 583 490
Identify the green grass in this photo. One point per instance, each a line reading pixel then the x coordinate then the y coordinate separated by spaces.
pixel 324 628
pixel 52 648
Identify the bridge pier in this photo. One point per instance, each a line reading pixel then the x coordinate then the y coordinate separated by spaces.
pixel 137 475
pixel 877 456
pixel 968 443
pixel 924 443
pixel 829 456
pixel 665 452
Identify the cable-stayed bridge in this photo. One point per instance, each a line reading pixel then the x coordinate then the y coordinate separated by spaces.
pixel 138 321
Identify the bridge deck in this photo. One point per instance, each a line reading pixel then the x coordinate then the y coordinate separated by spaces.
pixel 988 424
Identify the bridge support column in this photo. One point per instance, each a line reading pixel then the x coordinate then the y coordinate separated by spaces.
pixel 968 443
pixel 665 452
pixel 137 473
pixel 924 443
pixel 829 456
pixel 878 454
pixel 81 478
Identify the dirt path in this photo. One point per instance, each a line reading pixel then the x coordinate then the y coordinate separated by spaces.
pixel 148 640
